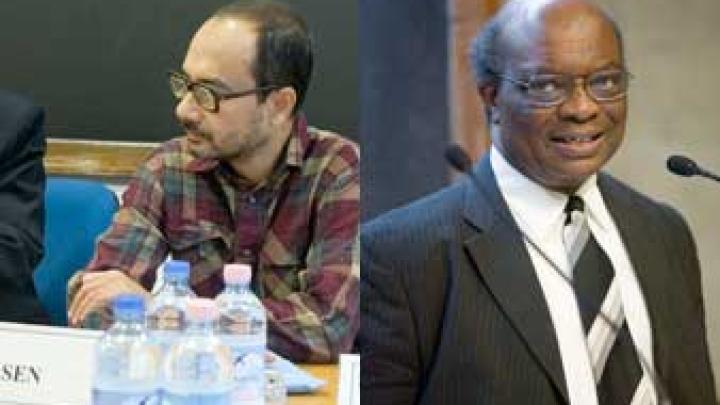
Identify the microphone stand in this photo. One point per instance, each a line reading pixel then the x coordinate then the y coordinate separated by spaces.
pixel 707 174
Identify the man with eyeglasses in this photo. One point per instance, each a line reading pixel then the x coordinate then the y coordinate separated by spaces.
pixel 249 182
pixel 539 279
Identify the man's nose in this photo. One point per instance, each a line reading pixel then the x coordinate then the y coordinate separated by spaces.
pixel 580 106
pixel 188 110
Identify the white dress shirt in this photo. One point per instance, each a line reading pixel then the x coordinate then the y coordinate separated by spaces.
pixel 539 213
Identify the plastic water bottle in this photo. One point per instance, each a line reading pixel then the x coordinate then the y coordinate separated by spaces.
pixel 243 327
pixel 198 367
pixel 166 312
pixel 127 364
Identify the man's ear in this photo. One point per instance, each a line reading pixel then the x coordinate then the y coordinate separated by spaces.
pixel 283 102
pixel 488 94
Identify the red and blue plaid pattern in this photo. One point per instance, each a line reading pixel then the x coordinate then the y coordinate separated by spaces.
pixel 298 229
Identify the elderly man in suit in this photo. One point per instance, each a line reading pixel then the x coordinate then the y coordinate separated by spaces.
pixel 539 279
pixel 22 186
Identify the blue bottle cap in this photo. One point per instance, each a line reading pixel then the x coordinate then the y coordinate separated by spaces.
pixel 176 269
pixel 128 306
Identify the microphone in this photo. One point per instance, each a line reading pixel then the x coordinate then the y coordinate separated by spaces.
pixel 460 161
pixel 684 166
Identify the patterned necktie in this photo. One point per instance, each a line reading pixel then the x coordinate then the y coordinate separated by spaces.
pixel 576 232
pixel 615 363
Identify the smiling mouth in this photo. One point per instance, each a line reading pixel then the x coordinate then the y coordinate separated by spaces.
pixel 570 139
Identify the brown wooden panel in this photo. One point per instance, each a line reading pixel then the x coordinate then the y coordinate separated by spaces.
pixel 467 112
pixel 72 157
pixel 326 395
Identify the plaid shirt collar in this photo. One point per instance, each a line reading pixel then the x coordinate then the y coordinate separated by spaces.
pixel 295 149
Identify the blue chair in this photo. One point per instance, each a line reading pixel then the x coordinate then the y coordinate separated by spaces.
pixel 76 213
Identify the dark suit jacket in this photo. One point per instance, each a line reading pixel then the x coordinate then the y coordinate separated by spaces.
pixel 22 186
pixel 452 312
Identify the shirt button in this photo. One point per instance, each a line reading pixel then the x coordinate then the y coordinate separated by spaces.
pixel 246 252
pixel 252 199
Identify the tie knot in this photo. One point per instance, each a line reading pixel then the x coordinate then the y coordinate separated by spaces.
pixel 574 203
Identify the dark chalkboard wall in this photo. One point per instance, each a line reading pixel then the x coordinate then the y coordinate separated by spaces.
pixel 98 66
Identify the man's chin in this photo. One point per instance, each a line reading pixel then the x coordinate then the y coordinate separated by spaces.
pixel 199 150
pixel 571 179
pixel 194 137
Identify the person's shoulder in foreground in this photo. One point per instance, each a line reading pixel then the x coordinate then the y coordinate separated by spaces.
pixel 22 189
pixel 428 220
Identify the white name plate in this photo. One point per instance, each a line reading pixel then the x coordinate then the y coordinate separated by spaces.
pixel 349 390
pixel 46 364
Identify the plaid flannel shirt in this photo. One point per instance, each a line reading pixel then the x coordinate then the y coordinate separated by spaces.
pixel 298 229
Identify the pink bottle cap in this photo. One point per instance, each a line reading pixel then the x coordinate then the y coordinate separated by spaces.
pixel 201 309
pixel 237 274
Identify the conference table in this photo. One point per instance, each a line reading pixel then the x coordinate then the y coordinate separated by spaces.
pixel 327 395
pixel 38 346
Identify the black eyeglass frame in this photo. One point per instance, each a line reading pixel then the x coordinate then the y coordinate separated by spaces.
pixel 525 85
pixel 216 96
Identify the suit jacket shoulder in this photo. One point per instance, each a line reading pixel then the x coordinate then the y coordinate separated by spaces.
pixel 416 226
pixel 623 196
pixel 664 257
pixel 22 188
pixel 17 117
pixel 402 254
pixel 640 217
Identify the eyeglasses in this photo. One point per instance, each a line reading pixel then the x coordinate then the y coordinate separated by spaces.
pixel 206 97
pixel 548 90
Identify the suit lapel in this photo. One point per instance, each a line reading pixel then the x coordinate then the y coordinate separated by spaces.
pixel 497 251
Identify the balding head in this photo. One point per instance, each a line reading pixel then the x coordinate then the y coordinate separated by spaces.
pixel 284 52
pixel 516 26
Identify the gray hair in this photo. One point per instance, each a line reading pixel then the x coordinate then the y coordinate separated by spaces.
pixel 488 50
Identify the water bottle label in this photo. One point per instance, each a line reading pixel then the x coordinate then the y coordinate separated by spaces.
pixel 166 318
pixel 239 324
pixel 257 327
pixel 234 325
